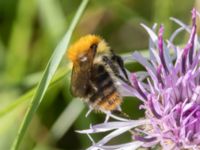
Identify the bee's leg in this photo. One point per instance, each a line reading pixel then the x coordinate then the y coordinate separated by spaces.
pixel 89 111
pixel 119 108
pixel 91 139
pixel 114 69
pixel 115 115
pixel 119 113
pixel 107 117
pixel 111 114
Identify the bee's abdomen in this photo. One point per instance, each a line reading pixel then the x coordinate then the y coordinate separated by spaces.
pixel 106 95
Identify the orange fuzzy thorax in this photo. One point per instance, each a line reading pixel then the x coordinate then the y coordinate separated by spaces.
pixel 82 46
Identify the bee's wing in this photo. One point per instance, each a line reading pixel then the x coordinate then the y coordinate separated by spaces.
pixel 120 63
pixel 81 74
pixel 120 66
pixel 80 81
pixel 116 64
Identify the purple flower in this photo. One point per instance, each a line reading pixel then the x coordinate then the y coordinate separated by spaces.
pixel 170 92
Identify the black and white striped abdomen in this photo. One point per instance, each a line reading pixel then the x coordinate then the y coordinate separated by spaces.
pixel 104 93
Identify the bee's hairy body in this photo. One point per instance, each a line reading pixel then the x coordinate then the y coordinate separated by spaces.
pixel 95 74
pixel 104 89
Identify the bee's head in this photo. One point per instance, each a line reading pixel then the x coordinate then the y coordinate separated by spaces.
pixel 86 48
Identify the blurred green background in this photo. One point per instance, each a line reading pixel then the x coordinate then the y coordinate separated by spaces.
pixel 29 32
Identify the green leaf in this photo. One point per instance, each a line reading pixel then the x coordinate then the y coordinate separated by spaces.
pixel 47 76
pixel 60 74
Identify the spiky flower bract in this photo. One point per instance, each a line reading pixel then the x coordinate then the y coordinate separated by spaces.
pixel 170 92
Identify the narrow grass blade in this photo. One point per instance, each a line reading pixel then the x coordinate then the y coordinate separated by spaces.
pixel 19 41
pixel 64 122
pixel 48 74
pixel 2 55
pixel 52 18
pixel 28 95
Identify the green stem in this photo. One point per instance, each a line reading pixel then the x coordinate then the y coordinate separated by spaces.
pixel 47 76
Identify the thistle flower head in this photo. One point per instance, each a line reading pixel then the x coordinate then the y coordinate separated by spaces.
pixel 170 92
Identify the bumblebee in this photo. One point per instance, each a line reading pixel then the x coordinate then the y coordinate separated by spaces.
pixel 96 72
